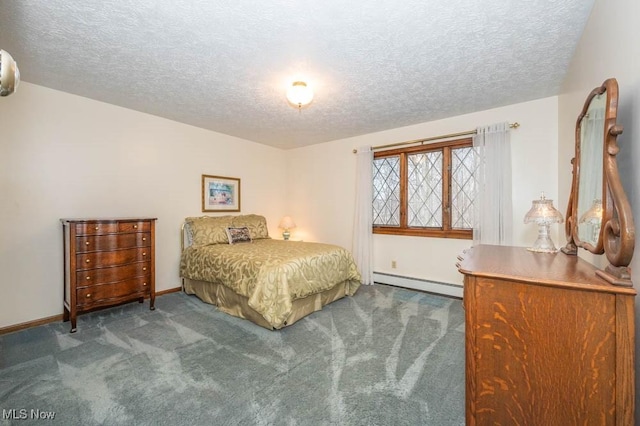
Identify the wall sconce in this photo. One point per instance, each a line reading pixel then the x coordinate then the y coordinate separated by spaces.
pixel 544 214
pixel 9 74
pixel 286 223
pixel 299 94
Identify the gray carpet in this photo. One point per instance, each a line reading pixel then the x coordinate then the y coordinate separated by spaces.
pixel 386 356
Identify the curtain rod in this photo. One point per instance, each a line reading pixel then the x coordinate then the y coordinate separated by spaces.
pixel 434 138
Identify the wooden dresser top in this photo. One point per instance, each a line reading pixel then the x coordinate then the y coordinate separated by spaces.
pixel 550 269
pixel 106 219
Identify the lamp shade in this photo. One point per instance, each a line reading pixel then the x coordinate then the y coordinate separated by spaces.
pixel 299 94
pixel 594 214
pixel 543 212
pixel 287 223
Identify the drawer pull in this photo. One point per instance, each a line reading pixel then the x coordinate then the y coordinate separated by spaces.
pixel 144 269
pixel 88 260
pixel 86 243
pixel 88 278
pixel 97 228
pixel 144 238
pixel 135 226
pixel 144 253
pixel 144 284
pixel 88 295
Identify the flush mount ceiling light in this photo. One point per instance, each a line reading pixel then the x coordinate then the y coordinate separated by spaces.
pixel 299 94
pixel 9 74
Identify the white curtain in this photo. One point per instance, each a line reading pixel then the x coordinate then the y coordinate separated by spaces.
pixel 363 220
pixel 494 208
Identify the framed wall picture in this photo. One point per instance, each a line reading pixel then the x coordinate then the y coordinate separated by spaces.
pixel 220 194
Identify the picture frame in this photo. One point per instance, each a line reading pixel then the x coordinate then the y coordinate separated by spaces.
pixel 220 194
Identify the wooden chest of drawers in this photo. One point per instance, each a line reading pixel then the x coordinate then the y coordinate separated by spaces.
pixel 547 341
pixel 107 262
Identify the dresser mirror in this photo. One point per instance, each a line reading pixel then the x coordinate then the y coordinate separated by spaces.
pixel 599 215
pixel 590 178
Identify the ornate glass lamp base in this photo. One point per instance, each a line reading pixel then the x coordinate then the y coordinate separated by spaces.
pixel 541 250
pixel 543 244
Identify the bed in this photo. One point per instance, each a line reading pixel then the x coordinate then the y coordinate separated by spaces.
pixel 271 282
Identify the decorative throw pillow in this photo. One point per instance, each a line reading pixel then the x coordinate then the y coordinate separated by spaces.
pixel 257 225
pixel 239 235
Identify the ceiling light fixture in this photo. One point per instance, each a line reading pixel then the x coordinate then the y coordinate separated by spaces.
pixel 9 74
pixel 299 94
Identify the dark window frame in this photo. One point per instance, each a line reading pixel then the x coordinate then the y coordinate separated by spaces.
pixel 403 229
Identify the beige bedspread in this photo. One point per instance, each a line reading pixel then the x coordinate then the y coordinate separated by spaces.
pixel 272 273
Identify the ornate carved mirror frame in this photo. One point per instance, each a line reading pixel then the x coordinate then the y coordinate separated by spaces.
pixel 612 230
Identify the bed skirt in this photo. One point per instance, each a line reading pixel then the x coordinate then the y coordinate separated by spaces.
pixel 234 304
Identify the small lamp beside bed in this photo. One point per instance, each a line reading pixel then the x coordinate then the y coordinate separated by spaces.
pixel 286 223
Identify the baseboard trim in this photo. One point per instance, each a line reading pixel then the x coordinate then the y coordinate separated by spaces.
pixel 29 324
pixel 167 291
pixel 54 318
pixel 445 289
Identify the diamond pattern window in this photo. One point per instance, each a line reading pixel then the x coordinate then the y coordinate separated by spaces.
pixel 386 191
pixel 426 190
pixel 464 185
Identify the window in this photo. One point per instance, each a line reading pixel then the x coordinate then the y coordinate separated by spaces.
pixel 426 190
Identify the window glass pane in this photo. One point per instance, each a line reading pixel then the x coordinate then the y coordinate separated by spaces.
pixel 464 185
pixel 386 191
pixel 425 189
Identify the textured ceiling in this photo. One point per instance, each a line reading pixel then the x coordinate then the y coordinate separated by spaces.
pixel 225 65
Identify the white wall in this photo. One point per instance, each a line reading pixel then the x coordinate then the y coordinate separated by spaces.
pixel 609 48
pixel 66 156
pixel 322 187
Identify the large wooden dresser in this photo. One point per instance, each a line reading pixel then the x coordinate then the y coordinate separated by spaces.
pixel 547 341
pixel 107 262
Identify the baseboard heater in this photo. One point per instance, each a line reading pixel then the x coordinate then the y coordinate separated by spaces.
pixel 445 289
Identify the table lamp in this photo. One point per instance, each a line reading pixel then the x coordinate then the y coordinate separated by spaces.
pixel 286 223
pixel 544 214
pixel 593 217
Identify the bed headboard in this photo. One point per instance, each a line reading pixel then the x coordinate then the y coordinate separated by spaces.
pixel 185 236
pixel 212 229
